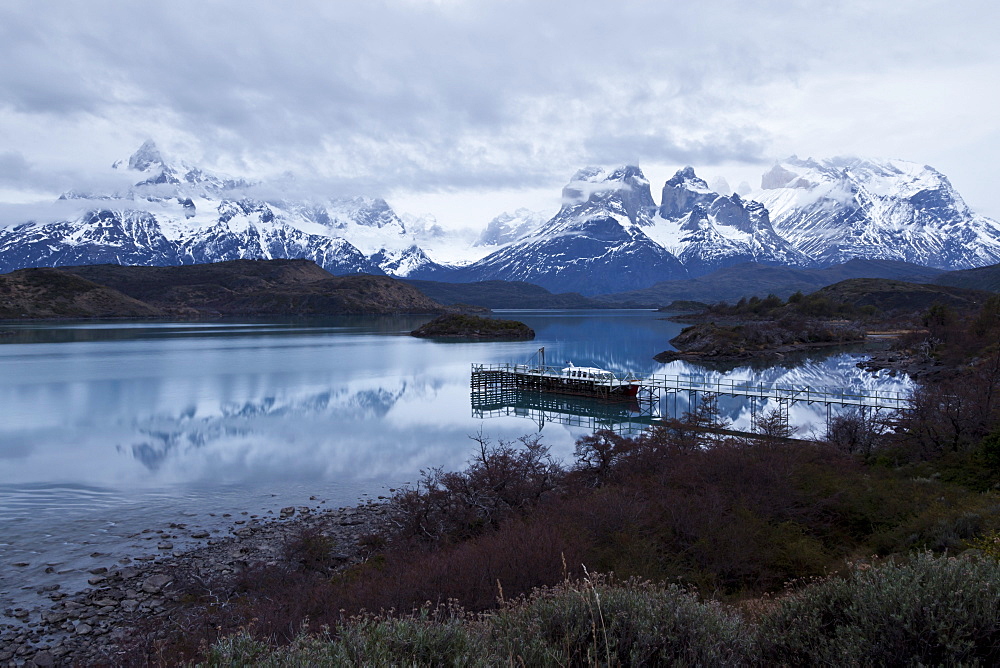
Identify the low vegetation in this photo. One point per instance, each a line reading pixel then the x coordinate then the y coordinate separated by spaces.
pixel 50 293
pixel 859 299
pixel 874 545
pixel 502 294
pixel 837 314
pixel 463 326
pixel 923 610
pixel 736 341
pixel 234 288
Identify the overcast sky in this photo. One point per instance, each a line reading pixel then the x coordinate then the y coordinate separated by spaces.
pixel 462 108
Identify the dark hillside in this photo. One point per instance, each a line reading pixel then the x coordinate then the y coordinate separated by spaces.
pixel 502 294
pixel 49 293
pixel 236 288
pixel 748 279
pixel 901 297
pixel 160 284
pixel 981 278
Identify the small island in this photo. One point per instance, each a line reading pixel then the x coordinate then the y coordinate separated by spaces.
pixel 709 341
pixel 461 326
pixel 842 313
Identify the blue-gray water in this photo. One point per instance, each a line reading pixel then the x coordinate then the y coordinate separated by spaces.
pixel 107 429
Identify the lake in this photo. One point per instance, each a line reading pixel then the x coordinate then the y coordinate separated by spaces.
pixel 109 429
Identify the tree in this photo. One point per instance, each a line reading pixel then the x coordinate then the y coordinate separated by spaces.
pixel 856 432
pixel 774 424
pixel 600 452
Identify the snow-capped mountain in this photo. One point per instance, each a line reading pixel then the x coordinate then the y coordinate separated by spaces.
pixel 709 231
pixel 611 236
pixel 842 208
pixel 174 213
pixel 595 243
pixel 508 228
pixel 608 236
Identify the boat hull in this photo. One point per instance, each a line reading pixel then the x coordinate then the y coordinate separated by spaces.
pixel 607 389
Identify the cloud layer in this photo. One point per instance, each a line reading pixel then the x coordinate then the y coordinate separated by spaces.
pixel 468 94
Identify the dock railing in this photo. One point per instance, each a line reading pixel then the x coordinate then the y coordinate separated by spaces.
pixel 885 399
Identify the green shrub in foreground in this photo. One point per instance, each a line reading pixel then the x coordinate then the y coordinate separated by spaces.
pixel 442 637
pixel 426 638
pixel 635 624
pixel 926 610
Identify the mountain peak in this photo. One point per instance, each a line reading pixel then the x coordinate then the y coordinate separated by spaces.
pixel 776 177
pixel 686 175
pixel 683 191
pixel 147 156
pixel 838 208
pixel 599 191
pixel 618 174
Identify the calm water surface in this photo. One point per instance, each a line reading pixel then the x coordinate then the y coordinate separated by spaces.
pixel 107 429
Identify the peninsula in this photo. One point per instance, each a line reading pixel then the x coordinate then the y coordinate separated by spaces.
pixel 233 288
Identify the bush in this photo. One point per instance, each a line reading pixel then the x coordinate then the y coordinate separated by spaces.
pixel 502 481
pixel 440 636
pixel 428 637
pixel 927 610
pixel 594 622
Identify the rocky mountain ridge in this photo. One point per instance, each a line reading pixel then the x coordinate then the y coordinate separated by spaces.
pixel 838 209
pixel 609 235
pixel 596 242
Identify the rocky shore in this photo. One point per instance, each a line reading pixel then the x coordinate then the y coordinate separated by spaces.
pixel 91 626
pixel 916 366
pixel 713 342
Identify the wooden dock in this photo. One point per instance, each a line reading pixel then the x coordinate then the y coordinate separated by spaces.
pixel 500 381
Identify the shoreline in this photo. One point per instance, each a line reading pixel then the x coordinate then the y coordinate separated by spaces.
pixel 776 352
pixel 89 626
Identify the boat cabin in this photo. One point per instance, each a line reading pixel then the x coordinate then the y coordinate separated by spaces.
pixel 586 373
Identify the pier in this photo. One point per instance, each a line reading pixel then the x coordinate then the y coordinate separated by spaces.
pixel 525 386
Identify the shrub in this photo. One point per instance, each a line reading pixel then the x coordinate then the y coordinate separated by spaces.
pixel 439 636
pixel 503 480
pixel 923 610
pixel 926 610
pixel 594 622
pixel 988 544
pixel 428 637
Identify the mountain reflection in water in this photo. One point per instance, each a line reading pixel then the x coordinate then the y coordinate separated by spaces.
pixel 141 405
pixel 109 428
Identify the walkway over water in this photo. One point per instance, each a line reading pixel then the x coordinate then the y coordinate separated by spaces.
pixel 513 376
pixel 746 388
pixel 507 384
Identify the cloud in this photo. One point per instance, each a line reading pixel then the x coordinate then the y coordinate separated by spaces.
pixel 461 94
pixel 14 169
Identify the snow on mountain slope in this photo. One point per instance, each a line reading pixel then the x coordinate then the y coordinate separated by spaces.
pixel 510 227
pixel 250 229
pixel 178 214
pixel 842 208
pixel 100 236
pixel 594 244
pixel 608 236
pixel 708 231
pixel 448 246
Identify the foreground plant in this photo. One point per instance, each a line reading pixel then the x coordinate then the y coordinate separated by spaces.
pixel 597 622
pixel 925 610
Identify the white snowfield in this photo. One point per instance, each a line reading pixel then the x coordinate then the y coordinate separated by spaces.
pixel 807 213
pixel 842 208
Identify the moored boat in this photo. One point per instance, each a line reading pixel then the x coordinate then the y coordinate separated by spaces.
pixel 596 381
